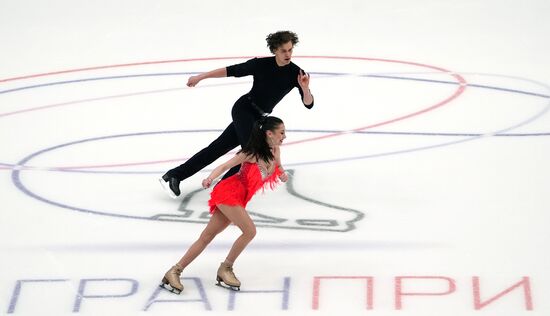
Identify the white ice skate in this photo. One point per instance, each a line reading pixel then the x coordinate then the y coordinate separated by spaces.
pixel 227 279
pixel 171 280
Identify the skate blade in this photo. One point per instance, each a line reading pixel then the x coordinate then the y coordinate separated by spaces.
pixel 169 288
pixel 167 189
pixel 229 287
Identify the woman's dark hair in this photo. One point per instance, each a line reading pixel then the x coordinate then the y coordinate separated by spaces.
pixel 257 145
pixel 274 40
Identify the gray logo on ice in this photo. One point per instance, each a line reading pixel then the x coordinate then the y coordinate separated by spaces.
pixel 305 213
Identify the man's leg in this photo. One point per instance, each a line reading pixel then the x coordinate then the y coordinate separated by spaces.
pixel 243 123
pixel 222 145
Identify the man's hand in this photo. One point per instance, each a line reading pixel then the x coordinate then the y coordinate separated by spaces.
pixel 303 80
pixel 193 80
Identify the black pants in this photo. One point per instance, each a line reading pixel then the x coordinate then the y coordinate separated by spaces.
pixel 237 133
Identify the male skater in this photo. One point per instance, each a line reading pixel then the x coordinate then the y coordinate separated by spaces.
pixel 274 77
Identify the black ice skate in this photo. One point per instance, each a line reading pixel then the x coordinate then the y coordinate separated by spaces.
pixel 171 280
pixel 171 185
pixel 227 279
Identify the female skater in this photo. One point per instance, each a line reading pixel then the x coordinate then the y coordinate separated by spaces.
pixel 273 78
pixel 260 164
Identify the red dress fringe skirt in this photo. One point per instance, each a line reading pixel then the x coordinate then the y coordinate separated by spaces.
pixel 239 188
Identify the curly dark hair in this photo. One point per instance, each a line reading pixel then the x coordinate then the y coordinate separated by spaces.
pixel 257 145
pixel 275 40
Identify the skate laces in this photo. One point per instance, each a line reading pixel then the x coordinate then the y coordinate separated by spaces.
pixel 230 271
pixel 178 270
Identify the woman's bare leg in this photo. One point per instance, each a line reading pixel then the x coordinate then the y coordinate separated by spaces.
pixel 238 216
pixel 218 222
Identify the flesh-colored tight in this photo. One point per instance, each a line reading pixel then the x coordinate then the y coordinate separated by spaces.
pixel 222 217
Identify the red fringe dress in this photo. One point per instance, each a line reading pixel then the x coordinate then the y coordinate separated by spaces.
pixel 239 188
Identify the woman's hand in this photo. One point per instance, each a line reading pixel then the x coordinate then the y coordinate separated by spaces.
pixel 206 183
pixel 283 177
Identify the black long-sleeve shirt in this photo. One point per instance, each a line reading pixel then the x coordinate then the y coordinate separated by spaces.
pixel 271 81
